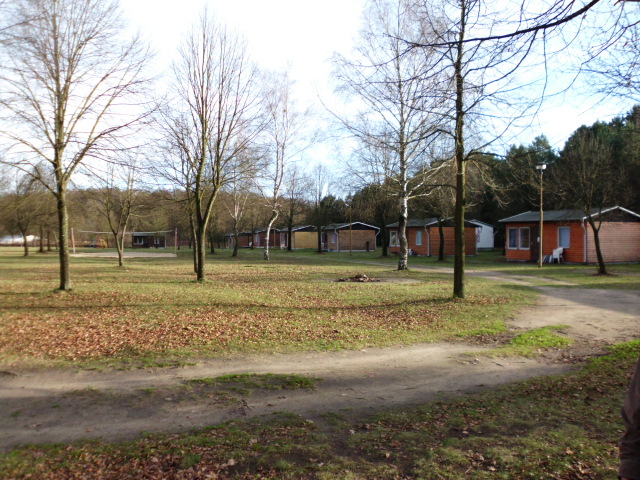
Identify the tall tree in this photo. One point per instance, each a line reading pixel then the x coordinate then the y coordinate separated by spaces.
pixel 284 130
pixel 476 85
pixel 213 119
pixel 394 121
pixel 587 176
pixel 69 90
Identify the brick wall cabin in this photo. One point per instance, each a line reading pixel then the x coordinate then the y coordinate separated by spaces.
pixel 423 237
pixel 620 242
pixel 619 236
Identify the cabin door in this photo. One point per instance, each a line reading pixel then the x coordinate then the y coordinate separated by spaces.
pixel 535 244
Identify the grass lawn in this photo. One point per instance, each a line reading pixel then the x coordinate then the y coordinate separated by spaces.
pixel 152 311
pixel 621 276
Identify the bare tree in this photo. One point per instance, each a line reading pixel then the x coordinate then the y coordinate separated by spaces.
pixel 587 178
pixel 214 118
pixel 475 82
pixel 68 89
pixel 614 64
pixel 296 187
pixel 239 194
pixel 285 129
pixel 239 188
pixel 394 123
pixel 117 201
pixel 320 182
pixel 25 207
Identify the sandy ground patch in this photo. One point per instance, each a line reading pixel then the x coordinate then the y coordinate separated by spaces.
pixel 141 254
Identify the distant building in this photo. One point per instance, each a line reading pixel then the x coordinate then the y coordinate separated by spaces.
pixel 345 237
pixel 485 235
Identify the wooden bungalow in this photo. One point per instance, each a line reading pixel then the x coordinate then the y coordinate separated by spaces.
pixel 345 237
pixel 569 231
pixel 304 236
pixel 423 236
pixel 277 238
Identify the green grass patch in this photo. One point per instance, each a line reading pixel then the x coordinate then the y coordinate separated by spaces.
pixel 151 313
pixel 247 382
pixel 532 343
pixel 561 427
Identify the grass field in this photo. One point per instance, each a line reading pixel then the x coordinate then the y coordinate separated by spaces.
pixel 151 312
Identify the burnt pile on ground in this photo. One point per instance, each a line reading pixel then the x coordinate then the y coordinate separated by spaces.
pixel 361 277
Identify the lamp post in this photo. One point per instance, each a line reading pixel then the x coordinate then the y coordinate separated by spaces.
pixel 350 229
pixel 541 167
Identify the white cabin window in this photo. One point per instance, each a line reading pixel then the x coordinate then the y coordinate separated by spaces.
pixel 393 239
pixel 419 237
pixel 564 237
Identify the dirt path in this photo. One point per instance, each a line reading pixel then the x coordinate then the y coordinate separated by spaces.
pixel 61 406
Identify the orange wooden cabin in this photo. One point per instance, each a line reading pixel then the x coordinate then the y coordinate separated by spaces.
pixel 569 230
pixel 423 237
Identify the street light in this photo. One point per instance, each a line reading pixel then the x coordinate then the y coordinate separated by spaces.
pixel 541 167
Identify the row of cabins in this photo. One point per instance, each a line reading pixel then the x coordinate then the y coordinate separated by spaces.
pixel 565 233
pixel 563 229
pixel 423 236
pixel 337 237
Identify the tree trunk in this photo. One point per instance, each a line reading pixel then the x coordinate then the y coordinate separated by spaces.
pixel 289 236
pixel 63 229
pixel 403 263
pixel 119 248
pixel 274 216
pixel 193 244
pixel 319 227
pixel 602 267
pixel 201 250
pixel 41 239
pixel 459 261
pixel 384 234
pixel 441 233
pixel 48 240
pixel 25 244
pixel 236 240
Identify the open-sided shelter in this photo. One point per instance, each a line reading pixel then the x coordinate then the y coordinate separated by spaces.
pixel 345 237
pixel 150 239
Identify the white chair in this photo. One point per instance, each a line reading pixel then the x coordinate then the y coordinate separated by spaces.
pixel 557 255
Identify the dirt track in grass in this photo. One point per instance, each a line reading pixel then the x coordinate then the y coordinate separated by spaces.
pixel 42 406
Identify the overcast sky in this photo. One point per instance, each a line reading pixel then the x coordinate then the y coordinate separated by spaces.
pixel 303 35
